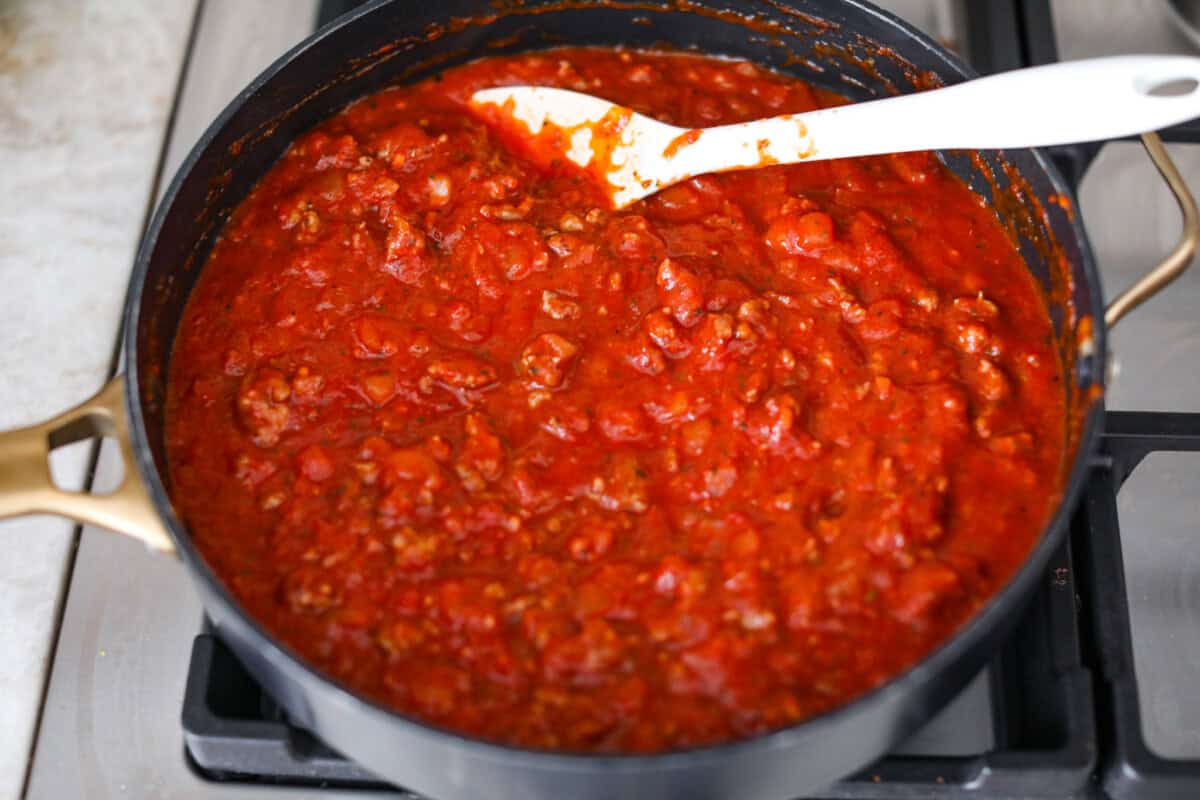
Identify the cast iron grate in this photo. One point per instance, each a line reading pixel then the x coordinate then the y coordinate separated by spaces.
pixel 1129 769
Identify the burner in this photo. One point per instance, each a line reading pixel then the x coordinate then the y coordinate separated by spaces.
pixel 1130 768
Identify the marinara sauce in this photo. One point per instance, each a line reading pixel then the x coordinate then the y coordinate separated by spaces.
pixel 532 470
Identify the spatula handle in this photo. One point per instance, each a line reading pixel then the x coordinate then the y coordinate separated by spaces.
pixel 1073 101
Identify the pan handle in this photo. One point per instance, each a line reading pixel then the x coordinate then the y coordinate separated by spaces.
pixel 1174 264
pixel 26 486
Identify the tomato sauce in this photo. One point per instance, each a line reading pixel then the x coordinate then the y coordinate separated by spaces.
pixel 533 470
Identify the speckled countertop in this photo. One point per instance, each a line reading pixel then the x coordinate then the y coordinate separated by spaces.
pixel 85 94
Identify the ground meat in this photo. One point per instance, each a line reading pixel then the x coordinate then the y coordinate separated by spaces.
pixel 500 457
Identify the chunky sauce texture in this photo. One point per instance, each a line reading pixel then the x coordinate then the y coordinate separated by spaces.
pixel 532 470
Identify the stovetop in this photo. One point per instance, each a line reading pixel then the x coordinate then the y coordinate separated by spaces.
pixel 1096 694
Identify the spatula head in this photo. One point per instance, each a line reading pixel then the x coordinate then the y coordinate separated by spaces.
pixel 603 138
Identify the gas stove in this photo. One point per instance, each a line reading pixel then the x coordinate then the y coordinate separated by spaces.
pixel 1095 695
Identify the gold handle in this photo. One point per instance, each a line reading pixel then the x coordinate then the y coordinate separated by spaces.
pixel 27 488
pixel 1178 259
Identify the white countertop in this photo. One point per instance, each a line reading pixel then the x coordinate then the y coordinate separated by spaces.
pixel 86 89
pixel 87 92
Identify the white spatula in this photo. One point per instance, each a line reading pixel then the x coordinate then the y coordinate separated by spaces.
pixel 1075 101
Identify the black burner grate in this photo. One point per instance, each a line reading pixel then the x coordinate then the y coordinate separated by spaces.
pixel 1129 769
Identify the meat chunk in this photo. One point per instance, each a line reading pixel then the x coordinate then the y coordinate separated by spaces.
pixel 407 258
pixel 987 379
pixel 802 234
pixel 586 658
pixel 379 387
pixel 308 590
pixel 622 423
pixel 774 426
pixel 482 458
pixel 415 550
pixel 515 250
pixel 377 336
pixel 663 331
pixel 413 466
pixel 623 487
pixel 680 291
pixel 557 306
pixel 546 359
pixel 402 146
pixel 410 477
pixel 462 372
pixel 804 600
pixel 632 238
pixel 262 404
pixel 315 464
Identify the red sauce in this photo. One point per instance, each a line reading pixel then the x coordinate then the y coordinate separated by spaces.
pixel 686 139
pixel 548 474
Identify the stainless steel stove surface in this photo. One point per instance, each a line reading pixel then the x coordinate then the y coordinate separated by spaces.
pixel 111 722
